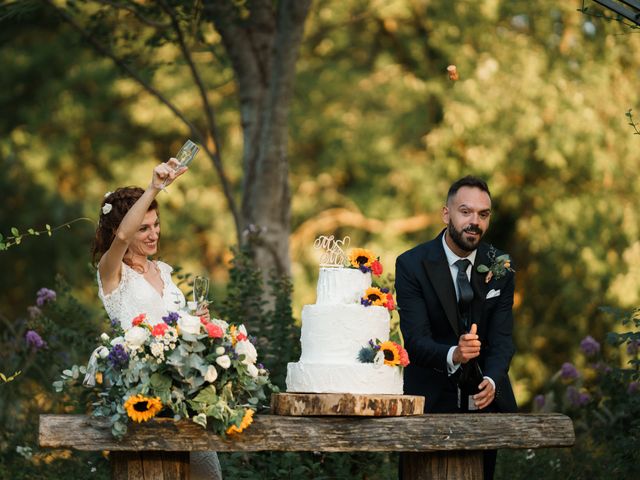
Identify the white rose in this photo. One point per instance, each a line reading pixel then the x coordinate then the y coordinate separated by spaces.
pixel 103 352
pixel 136 336
pixel 224 361
pixel 246 348
pixel 117 341
pixel 189 324
pixel 104 337
pixel 253 370
pixel 219 350
pixel 211 374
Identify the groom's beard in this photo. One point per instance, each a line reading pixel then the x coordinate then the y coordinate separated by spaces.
pixel 460 241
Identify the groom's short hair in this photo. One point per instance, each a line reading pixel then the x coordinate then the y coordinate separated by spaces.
pixel 468 181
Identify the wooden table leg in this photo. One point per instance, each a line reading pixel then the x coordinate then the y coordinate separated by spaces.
pixel 448 465
pixel 149 465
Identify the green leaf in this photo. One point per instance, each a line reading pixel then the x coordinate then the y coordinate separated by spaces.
pixel 482 268
pixel 15 232
pixel 160 382
pixel 31 231
pixel 48 227
pixel 207 395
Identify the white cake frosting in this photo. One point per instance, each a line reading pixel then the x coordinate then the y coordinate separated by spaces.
pixel 333 332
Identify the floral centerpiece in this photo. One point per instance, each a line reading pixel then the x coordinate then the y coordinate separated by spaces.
pixel 184 366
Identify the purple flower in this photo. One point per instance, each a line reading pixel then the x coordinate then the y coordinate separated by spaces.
pixel 366 302
pixel 44 295
pixel 115 323
pixel 34 340
pixel 118 356
pixel 577 398
pixel 171 319
pixel 539 401
pixel 364 269
pixel 634 387
pixel 589 346
pixel 633 346
pixel 384 290
pixel 34 312
pixel 568 371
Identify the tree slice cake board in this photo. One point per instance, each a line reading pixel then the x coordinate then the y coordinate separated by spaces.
pixel 346 404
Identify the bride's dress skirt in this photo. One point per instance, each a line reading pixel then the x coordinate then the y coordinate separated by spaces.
pixel 204 466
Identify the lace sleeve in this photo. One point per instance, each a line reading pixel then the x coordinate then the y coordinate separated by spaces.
pixel 113 301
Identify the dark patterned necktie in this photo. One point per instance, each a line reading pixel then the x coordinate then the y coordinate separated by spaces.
pixel 464 287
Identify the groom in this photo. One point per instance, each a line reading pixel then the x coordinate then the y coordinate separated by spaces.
pixel 428 288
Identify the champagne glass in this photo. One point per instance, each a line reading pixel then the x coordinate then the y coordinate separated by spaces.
pixel 185 156
pixel 200 292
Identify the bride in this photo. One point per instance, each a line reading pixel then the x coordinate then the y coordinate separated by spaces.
pixel 129 282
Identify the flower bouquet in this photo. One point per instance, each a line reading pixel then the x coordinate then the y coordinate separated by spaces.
pixel 183 366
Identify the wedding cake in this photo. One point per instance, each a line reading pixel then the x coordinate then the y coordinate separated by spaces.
pixel 336 329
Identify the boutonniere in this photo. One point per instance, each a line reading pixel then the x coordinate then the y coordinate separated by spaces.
pixel 499 266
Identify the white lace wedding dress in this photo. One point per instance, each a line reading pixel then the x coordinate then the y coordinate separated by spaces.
pixel 133 296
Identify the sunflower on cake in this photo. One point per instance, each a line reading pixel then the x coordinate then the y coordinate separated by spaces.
pixel 345 334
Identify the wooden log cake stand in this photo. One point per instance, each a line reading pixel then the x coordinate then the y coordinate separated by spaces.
pixel 346 404
pixel 445 446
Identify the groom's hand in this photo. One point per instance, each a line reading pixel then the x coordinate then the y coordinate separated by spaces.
pixel 486 395
pixel 468 346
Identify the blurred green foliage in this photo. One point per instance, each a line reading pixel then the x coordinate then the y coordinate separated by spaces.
pixel 378 132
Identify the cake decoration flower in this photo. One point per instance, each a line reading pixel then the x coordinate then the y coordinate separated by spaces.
pixel 391 353
pixel 362 259
pixel 373 296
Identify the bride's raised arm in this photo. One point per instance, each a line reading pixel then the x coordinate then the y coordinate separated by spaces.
pixel 121 220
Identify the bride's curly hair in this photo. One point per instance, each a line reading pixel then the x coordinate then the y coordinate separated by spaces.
pixel 121 201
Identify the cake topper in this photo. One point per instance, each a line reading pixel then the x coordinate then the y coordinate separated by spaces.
pixel 333 255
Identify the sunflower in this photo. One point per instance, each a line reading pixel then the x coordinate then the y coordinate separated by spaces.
pixel 246 421
pixel 374 296
pixel 361 257
pixel 141 408
pixel 391 353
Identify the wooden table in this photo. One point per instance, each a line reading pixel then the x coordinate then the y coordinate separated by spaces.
pixel 441 446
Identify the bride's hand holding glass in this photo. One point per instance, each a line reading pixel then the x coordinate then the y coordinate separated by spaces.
pixel 166 173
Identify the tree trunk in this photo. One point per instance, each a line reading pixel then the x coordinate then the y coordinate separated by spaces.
pixel 263 49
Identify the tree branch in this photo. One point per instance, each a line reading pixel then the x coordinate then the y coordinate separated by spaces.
pixel 210 116
pixel 142 18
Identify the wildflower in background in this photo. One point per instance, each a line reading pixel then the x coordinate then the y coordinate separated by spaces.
pixel 577 398
pixel 589 346
pixel 568 371
pixel 45 295
pixel 539 401
pixel 633 347
pixel 634 387
pixel 34 340
pixel 141 408
pixel 34 312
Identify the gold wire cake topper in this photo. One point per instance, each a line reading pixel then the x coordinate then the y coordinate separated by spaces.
pixel 333 255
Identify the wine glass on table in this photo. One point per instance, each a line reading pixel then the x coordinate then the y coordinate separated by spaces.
pixel 185 156
pixel 200 294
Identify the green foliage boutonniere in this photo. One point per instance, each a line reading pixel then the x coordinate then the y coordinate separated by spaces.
pixel 498 267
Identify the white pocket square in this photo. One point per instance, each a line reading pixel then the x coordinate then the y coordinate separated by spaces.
pixel 492 293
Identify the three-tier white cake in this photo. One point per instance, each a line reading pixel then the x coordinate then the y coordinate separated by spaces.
pixel 334 330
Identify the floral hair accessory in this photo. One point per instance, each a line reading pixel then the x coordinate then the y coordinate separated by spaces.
pixel 107 194
pixel 106 208
pixel 498 267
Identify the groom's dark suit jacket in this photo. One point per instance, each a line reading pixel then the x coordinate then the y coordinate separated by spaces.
pixel 430 325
